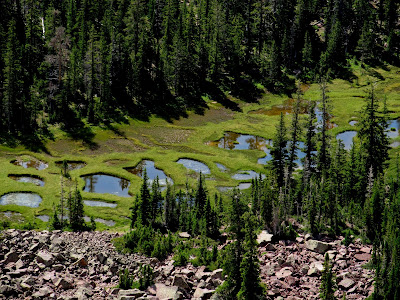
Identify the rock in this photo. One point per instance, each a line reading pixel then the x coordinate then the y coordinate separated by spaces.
pixel 42 293
pixel 284 272
pixel 365 250
pixel 130 294
pixel 315 268
pixel 180 282
pixel 64 283
pixel 11 257
pixel 81 262
pixel 8 291
pixel 362 256
pixel 217 274
pixel 264 238
pixel 184 235
pixel 165 292
pixel 346 283
pixel 45 258
pixel 101 257
pixel 203 294
pixel 317 246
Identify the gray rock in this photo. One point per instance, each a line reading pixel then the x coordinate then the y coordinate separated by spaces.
pixel 346 283
pixel 317 246
pixel 217 274
pixel 264 238
pixel 315 268
pixel 42 293
pixel 45 258
pixel 184 235
pixel 181 282
pixel 165 292
pixel 284 272
pixel 130 294
pixel 203 294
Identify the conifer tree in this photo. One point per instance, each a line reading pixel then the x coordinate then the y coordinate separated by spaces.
pixel 328 285
pixel 279 152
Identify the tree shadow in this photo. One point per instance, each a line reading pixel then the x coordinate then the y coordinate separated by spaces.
pixel 215 93
pixel 76 129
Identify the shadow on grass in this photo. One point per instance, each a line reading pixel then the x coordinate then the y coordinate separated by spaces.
pixel 32 141
pixel 78 130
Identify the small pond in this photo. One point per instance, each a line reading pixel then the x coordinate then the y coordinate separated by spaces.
pixel 393 128
pixel 28 179
pixel 21 199
pixel 98 220
pixel 71 165
pixel 106 184
pixel 44 218
pixel 221 167
pixel 241 186
pixel 152 172
pixel 237 141
pixel 99 203
pixel 347 138
pixel 246 175
pixel 194 165
pixel 395 144
pixel 353 123
pixel 33 163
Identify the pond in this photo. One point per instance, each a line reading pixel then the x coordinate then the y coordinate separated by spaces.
pixel 99 220
pixel 395 144
pixel 152 172
pixel 106 184
pixel 71 164
pixel 44 218
pixel 194 165
pixel 246 175
pixel 241 186
pixel 221 167
pixel 21 199
pixel 237 141
pixel 28 179
pixel 347 138
pixel 393 128
pixel 33 163
pixel 353 123
pixel 99 203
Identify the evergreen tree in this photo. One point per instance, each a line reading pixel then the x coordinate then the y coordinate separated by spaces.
pixel 327 288
pixel 279 152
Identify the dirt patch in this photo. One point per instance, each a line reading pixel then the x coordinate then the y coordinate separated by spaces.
pixel 116 162
pixel 210 116
pixel 167 135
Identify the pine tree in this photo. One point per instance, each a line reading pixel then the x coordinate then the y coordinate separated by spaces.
pixel 279 152
pixel 76 213
pixel 327 288
pixel 251 287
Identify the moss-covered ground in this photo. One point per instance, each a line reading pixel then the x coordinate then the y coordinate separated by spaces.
pixel 123 145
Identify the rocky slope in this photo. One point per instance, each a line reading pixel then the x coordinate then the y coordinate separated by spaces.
pixel 65 265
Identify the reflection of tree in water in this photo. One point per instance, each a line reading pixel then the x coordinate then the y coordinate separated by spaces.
pixel 256 143
pixel 90 183
pixel 123 183
pixel 229 140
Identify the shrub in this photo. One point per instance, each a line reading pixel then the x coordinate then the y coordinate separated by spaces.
pixel 125 280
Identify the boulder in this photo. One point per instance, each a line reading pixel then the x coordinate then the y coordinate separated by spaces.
pixel 184 235
pixel 315 268
pixel 284 272
pixel 264 238
pixel 8 291
pixel 166 292
pixel 180 282
pixel 64 283
pixel 217 274
pixel 362 256
pixel 317 246
pixel 130 294
pixel 11 257
pixel 45 258
pixel 346 283
pixel 203 294
pixel 43 292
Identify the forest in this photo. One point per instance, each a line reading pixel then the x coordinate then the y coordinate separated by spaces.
pixel 63 62
pixel 73 64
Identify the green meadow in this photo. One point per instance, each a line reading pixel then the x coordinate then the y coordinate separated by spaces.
pixel 124 145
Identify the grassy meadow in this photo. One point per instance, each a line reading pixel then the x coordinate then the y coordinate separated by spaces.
pixel 124 145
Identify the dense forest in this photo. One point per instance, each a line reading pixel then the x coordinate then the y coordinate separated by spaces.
pixel 64 61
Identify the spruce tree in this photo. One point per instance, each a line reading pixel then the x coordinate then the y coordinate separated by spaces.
pixel 279 152
pixel 328 285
